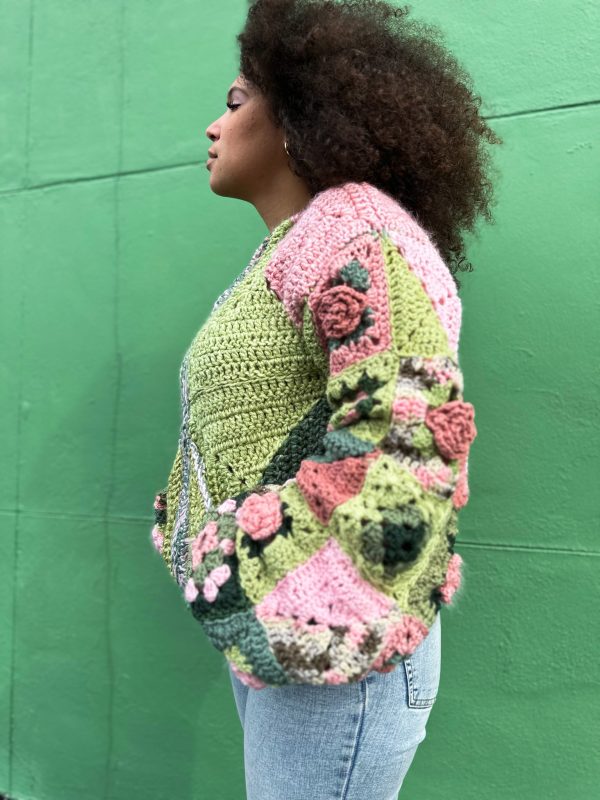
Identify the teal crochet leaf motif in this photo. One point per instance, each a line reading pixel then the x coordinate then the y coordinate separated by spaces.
pixel 342 444
pixel 355 275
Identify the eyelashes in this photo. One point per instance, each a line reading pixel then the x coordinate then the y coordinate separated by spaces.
pixel 232 106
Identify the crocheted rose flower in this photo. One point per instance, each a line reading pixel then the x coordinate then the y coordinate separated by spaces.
pixel 453 427
pixel 339 310
pixel 260 515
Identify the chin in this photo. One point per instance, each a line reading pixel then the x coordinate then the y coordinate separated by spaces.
pixel 225 188
pixel 216 189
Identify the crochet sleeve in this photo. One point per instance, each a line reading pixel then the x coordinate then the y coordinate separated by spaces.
pixel 375 502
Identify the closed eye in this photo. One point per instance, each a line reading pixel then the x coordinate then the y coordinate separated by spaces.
pixel 231 106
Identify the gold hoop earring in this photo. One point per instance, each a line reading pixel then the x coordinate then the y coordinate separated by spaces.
pixel 285 145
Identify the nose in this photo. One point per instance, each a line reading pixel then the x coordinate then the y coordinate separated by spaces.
pixel 212 131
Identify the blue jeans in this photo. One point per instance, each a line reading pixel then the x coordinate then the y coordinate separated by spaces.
pixel 339 742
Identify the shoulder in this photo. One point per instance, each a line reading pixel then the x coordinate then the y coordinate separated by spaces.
pixel 326 229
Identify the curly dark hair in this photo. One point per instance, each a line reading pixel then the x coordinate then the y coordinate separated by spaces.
pixel 365 94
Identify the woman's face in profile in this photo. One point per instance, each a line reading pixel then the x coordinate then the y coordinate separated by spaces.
pixel 248 148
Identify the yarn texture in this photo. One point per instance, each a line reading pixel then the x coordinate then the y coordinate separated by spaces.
pixel 310 514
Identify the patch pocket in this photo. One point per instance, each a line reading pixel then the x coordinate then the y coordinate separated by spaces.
pixel 423 669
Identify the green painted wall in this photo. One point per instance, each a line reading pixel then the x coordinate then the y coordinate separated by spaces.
pixel 113 249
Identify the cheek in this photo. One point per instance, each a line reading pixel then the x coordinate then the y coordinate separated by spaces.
pixel 249 128
pixel 252 140
pixel 240 134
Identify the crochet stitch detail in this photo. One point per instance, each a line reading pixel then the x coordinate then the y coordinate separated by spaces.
pixel 310 514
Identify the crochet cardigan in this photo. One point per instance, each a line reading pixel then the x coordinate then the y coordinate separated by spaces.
pixel 310 513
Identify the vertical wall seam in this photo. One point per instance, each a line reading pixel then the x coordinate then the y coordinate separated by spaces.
pixel 16 538
pixel 19 433
pixel 27 133
pixel 115 412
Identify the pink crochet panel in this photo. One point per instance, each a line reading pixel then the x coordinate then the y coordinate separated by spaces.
pixel 330 220
pixel 328 588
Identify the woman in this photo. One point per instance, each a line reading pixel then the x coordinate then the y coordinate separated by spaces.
pixel 310 514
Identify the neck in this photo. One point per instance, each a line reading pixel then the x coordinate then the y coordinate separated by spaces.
pixel 280 201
